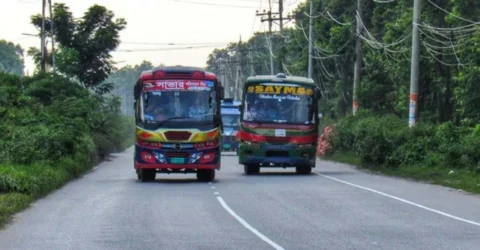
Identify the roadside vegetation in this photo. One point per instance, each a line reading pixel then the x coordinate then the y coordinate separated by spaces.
pixel 57 125
pixel 444 146
pixel 440 154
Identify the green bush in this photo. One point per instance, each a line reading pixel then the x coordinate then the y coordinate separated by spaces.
pixel 48 117
pixel 387 141
pixel 53 130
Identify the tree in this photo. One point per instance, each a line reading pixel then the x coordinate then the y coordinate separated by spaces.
pixel 84 44
pixel 11 58
pixel 449 61
pixel 123 81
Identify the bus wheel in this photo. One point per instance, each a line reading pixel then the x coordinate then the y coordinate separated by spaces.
pixel 304 170
pixel 206 175
pixel 251 169
pixel 146 175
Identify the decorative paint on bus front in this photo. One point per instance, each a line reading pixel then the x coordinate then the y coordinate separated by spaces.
pixel 195 135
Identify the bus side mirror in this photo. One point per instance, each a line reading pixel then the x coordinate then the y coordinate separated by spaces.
pixel 136 91
pixel 318 95
pixel 222 93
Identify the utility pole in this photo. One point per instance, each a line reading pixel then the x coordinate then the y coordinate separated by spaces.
pixel 269 20
pixel 415 65
pixel 53 34
pixel 310 42
pixel 282 39
pixel 280 13
pixel 250 62
pixel 240 58
pixel 358 58
pixel 42 47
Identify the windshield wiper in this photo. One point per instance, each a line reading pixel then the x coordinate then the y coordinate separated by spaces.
pixel 172 118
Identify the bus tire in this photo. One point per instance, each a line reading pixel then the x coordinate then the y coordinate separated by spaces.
pixel 146 175
pixel 251 169
pixel 205 175
pixel 303 170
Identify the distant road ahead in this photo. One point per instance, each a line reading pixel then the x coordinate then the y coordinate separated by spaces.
pixel 337 207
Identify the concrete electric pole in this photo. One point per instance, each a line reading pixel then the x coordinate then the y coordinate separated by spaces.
pixel 415 65
pixel 42 46
pixel 310 42
pixel 358 58
pixel 53 34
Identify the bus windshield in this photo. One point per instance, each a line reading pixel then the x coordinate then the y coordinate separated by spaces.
pixel 182 100
pixel 231 121
pixel 279 103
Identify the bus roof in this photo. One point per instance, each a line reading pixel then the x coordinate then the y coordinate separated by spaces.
pixel 280 78
pixel 178 68
pixel 177 71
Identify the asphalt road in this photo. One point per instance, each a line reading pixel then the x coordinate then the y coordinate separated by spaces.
pixel 337 207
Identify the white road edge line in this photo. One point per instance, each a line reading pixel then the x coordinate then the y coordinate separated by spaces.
pixel 245 224
pixel 402 200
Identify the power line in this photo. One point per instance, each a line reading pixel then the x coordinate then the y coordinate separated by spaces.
pixel 165 49
pixel 458 17
pixel 252 1
pixel 174 43
pixel 214 4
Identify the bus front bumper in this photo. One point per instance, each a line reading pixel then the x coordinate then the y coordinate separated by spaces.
pixel 289 156
pixel 176 159
pixel 175 166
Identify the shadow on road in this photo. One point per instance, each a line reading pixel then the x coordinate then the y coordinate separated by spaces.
pixel 280 174
pixel 338 173
pixel 111 157
pixel 174 181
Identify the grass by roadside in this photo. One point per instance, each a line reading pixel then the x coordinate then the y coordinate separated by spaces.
pixel 53 130
pixel 11 203
pixel 28 183
pixel 458 178
pixel 31 182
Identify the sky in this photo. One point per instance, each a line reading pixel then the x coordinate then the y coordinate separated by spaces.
pixel 153 23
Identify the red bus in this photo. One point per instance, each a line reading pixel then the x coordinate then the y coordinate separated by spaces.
pixel 178 122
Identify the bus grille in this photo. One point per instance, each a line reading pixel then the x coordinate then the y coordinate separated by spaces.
pixel 177 154
pixel 272 153
pixel 273 139
pixel 178 135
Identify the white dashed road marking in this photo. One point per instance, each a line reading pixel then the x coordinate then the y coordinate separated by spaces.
pixel 245 224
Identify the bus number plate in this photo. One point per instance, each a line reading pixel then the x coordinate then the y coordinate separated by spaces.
pixel 177 160
pixel 280 132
